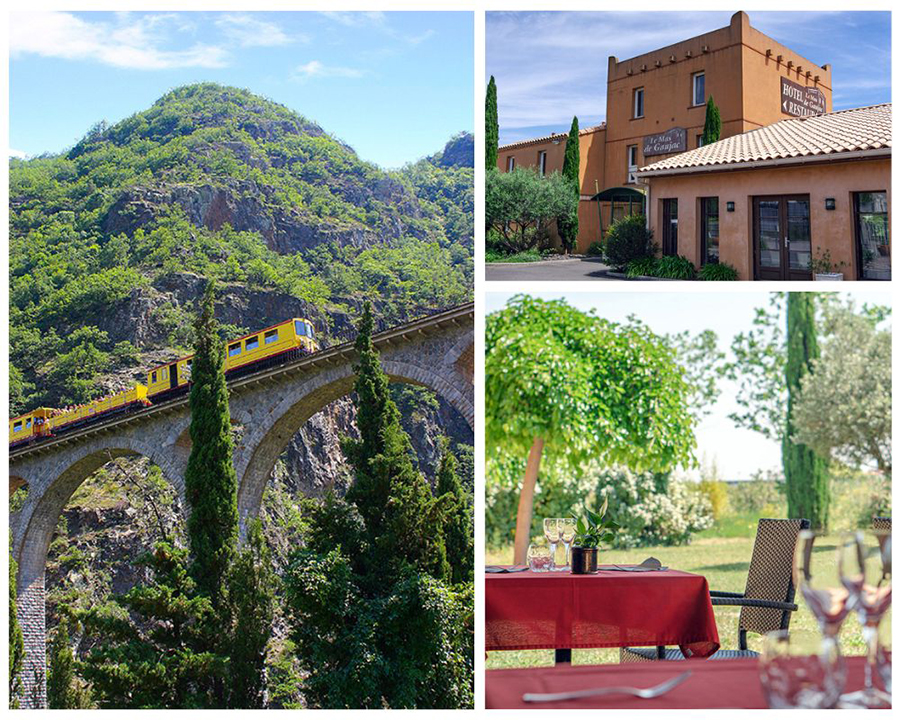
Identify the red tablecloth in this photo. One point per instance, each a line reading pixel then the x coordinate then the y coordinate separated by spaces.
pixel 529 610
pixel 713 684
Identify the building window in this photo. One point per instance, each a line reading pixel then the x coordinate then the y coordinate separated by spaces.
pixel 638 103
pixel 700 140
pixel 699 88
pixel 542 162
pixel 709 229
pixel 632 163
pixel 872 238
pixel 670 226
pixel 510 164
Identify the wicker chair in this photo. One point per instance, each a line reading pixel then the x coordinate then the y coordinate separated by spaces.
pixel 881 523
pixel 766 603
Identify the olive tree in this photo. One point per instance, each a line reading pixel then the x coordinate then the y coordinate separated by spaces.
pixel 576 387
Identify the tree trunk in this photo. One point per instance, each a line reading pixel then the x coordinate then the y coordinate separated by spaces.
pixel 526 502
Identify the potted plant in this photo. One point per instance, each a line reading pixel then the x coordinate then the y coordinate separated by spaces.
pixel 823 269
pixel 590 531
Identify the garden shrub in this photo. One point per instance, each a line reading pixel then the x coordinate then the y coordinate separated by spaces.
pixel 628 239
pixel 595 249
pixel 857 497
pixel 716 493
pixel 718 271
pixel 675 268
pixel 653 509
pixel 641 266
pixel 755 496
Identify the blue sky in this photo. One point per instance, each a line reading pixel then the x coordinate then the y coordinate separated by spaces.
pixel 395 86
pixel 550 66
pixel 737 453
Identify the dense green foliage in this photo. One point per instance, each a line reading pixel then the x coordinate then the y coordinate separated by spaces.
pixel 520 207
pixel 567 223
pixel 491 126
pixel 628 239
pixel 16 641
pixel 712 125
pixel 209 479
pixel 805 474
pixel 63 690
pixel 91 227
pixel 674 267
pixel 459 528
pixel 718 271
pixel 374 620
pixel 641 267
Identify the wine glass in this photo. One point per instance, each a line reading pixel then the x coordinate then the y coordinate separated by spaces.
pixel 567 532
pixel 801 670
pixel 883 658
pixel 826 598
pixel 539 557
pixel 551 532
pixel 867 578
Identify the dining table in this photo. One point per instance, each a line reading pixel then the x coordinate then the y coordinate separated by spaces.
pixel 613 607
pixel 711 684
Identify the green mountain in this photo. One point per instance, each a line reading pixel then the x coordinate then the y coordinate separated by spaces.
pixel 109 241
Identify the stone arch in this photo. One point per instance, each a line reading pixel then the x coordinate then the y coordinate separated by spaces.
pixel 270 434
pixel 16 482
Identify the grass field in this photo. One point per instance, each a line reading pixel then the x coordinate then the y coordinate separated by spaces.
pixel 723 561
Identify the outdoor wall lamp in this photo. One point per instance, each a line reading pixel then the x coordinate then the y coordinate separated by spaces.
pixel 829 203
pixel 729 206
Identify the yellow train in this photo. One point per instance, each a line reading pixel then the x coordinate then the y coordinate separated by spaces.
pixel 265 348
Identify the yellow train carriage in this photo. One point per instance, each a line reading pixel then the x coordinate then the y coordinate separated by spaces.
pixel 113 403
pixel 24 428
pixel 269 344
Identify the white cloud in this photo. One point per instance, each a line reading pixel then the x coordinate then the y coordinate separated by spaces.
pixel 20 154
pixel 134 43
pixel 248 31
pixel 316 69
pixel 356 19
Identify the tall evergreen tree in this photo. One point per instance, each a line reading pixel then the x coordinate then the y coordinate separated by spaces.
pixel 712 127
pixel 491 126
pixel 459 534
pixel 210 482
pixel 16 640
pixel 567 224
pixel 805 473
pixel 251 594
pixel 61 691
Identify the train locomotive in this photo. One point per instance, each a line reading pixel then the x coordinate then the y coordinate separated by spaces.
pixel 268 347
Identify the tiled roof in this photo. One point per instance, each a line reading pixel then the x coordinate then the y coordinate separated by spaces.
pixel 865 130
pixel 551 136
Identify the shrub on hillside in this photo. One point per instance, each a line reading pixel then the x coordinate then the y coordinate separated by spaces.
pixel 718 271
pixel 628 239
pixel 675 267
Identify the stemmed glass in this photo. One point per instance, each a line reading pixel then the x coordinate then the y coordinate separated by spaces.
pixel 551 532
pixel 567 532
pixel 828 601
pixel 868 582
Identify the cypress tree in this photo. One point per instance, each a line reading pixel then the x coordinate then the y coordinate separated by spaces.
pixel 805 473
pixel 458 529
pixel 491 127
pixel 567 225
pixel 712 128
pixel 61 675
pixel 16 640
pixel 210 482
pixel 252 598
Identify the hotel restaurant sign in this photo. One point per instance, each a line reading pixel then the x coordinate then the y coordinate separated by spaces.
pixel 671 141
pixel 799 100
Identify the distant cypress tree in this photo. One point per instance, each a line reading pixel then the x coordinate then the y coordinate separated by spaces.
pixel 458 527
pixel 61 693
pixel 567 225
pixel 491 126
pixel 712 128
pixel 805 473
pixel 210 482
pixel 16 640
pixel 251 594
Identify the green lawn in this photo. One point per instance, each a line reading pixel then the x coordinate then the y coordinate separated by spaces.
pixel 723 560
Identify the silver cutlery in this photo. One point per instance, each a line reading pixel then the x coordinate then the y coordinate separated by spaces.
pixel 644 693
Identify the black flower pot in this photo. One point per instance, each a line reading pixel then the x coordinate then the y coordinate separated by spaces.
pixel 584 560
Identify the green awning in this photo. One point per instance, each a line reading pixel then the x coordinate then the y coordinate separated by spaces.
pixel 619 194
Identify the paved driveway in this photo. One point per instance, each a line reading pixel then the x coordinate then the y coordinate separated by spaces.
pixel 574 269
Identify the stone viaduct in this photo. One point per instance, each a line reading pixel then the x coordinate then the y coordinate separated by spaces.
pixel 436 351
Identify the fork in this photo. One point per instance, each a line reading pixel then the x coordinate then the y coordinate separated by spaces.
pixel 644 693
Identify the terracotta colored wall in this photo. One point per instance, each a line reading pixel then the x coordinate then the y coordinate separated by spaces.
pixel 830 229
pixel 527 156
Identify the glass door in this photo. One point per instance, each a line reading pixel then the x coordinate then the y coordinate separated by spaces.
pixel 670 226
pixel 782 241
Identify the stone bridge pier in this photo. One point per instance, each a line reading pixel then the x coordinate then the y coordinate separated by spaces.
pixel 272 405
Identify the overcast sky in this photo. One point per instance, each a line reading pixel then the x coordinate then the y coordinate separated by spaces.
pixel 394 86
pixel 738 453
pixel 550 66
